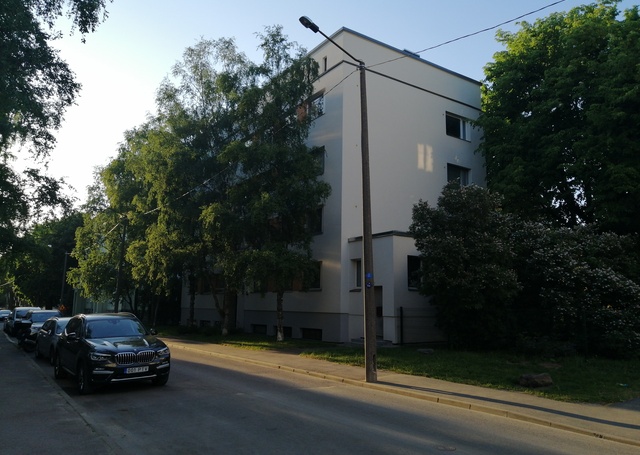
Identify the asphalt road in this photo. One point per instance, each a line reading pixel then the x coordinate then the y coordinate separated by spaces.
pixel 219 406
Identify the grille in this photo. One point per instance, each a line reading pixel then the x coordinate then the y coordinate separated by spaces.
pixel 127 358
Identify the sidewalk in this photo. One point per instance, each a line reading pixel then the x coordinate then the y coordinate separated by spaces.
pixel 36 411
pixel 620 423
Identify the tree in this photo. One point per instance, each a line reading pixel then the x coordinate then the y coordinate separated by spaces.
pixel 38 268
pixel 579 288
pixel 467 260
pixel 224 186
pixel 36 87
pixel 560 115
pixel 273 196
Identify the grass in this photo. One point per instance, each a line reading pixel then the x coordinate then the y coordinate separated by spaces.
pixel 575 379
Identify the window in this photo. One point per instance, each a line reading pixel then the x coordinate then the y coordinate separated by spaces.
pixel 305 281
pixel 319 153
pixel 312 108
pixel 314 221
pixel 324 64
pixel 203 286
pixel 286 331
pixel 316 106
pixel 259 329
pixel 315 279
pixel 457 127
pixel 461 174
pixel 413 272
pixel 311 334
pixel 357 268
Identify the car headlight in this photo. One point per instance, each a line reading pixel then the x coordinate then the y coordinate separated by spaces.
pixel 163 352
pixel 99 357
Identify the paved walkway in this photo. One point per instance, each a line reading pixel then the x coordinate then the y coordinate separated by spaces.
pixel 619 422
pixel 36 411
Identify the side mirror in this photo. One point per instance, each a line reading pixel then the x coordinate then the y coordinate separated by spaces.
pixel 153 332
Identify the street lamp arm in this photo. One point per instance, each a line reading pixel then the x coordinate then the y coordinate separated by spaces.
pixel 308 23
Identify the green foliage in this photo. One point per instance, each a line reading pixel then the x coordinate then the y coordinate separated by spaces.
pixel 467 264
pixel 561 107
pixel 36 87
pixel 579 286
pixel 218 186
pixel 37 264
pixel 497 280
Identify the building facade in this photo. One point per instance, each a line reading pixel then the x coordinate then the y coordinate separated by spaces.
pixel 420 137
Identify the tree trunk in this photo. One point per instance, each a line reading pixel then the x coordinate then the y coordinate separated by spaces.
pixel 192 301
pixel 280 315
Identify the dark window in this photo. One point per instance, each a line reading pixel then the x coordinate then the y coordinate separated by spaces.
pixel 319 154
pixel 413 272
pixel 260 329
pixel 457 127
pixel 315 281
pixel 311 334
pixel 461 174
pixel 358 271
pixel 314 221
pixel 286 331
pixel 316 106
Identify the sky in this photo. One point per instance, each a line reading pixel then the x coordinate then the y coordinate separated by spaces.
pixel 122 64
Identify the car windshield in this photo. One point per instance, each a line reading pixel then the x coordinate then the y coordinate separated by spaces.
pixel 41 317
pixel 108 328
pixel 22 313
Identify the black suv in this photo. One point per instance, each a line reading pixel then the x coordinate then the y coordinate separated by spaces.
pixel 106 348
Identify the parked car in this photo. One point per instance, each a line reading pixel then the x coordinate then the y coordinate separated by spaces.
pixel 26 329
pixel 100 349
pixel 47 337
pixel 15 317
pixel 3 314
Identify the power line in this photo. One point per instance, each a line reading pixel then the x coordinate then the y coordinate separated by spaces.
pixel 474 33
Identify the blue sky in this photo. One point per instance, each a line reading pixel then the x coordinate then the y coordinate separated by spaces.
pixel 122 64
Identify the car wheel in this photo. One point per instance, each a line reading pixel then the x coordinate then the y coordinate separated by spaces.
pixel 58 372
pixel 83 378
pixel 160 380
pixel 52 356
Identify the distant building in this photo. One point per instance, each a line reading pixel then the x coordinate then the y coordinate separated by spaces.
pixel 420 137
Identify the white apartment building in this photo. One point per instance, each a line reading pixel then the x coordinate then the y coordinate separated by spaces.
pixel 419 138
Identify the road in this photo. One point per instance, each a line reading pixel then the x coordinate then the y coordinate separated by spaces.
pixel 217 406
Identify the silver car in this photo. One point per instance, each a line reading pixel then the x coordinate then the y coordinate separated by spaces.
pixel 47 338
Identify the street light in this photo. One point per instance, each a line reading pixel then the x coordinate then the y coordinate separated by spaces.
pixel 367 241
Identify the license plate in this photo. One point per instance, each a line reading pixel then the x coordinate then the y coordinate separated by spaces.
pixel 136 370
